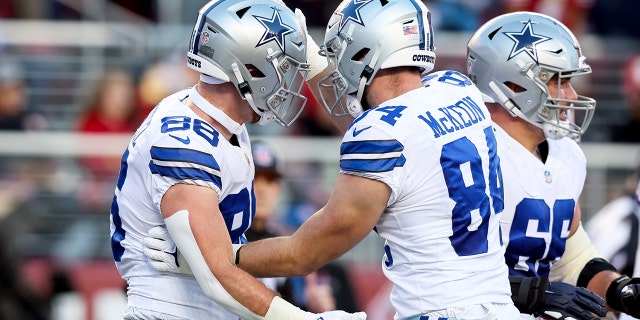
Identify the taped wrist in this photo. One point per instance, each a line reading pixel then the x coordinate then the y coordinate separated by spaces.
pixel 317 63
pixel 527 292
pixel 615 294
pixel 279 309
pixel 593 267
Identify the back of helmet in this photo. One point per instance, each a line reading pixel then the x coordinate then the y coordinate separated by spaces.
pixel 364 36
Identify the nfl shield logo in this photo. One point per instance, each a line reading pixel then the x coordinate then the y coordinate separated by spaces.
pixel 204 38
pixel 412 29
pixel 547 176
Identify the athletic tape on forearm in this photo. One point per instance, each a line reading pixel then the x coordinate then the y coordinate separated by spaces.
pixel 180 231
pixel 283 310
pixel 317 63
pixel 578 252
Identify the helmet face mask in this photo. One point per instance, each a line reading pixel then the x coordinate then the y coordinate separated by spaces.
pixel 529 50
pixel 260 48
pixel 364 36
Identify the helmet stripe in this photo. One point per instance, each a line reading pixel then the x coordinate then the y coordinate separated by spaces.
pixel 420 24
pixel 202 18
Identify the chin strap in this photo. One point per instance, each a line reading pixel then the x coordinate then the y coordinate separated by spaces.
pixel 266 117
pixel 212 111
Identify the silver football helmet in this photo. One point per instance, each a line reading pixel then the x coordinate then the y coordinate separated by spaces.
pixel 364 36
pixel 259 47
pixel 529 49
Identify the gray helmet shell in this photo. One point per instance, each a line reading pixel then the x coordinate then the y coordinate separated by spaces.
pixel 259 47
pixel 364 36
pixel 528 49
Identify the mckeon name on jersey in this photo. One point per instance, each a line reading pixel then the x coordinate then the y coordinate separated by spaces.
pixel 174 145
pixel 435 149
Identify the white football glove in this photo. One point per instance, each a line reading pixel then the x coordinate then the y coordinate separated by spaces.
pixel 162 252
pixel 335 315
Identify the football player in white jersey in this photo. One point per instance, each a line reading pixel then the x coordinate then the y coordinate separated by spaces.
pixel 418 165
pixel 523 63
pixel 189 167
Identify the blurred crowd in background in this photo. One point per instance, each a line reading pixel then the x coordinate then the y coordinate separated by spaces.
pixel 57 209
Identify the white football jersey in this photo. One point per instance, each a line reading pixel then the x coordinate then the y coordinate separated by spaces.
pixel 539 202
pixel 435 149
pixel 174 145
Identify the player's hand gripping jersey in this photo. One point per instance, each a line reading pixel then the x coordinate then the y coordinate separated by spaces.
pixel 175 145
pixel 435 149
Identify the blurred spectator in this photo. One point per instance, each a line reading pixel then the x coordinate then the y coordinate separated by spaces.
pixel 573 13
pixel 630 131
pixel 15 184
pixel 326 289
pixel 13 99
pixel 268 189
pixel 161 79
pixel 110 110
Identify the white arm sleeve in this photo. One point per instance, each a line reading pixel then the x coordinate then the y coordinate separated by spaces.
pixel 180 231
pixel 577 253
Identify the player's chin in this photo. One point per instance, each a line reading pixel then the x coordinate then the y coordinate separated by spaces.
pixel 255 117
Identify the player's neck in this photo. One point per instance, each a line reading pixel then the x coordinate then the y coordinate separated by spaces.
pixel 389 84
pixel 225 98
pixel 527 134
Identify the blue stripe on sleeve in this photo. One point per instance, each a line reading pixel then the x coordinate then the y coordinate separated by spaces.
pixel 372 165
pixel 184 155
pixel 185 173
pixel 371 146
pixel 368 147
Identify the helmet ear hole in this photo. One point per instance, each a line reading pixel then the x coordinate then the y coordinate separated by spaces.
pixel 359 56
pixel 255 72
pixel 514 87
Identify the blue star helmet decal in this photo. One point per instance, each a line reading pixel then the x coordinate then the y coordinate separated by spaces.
pixel 352 12
pixel 526 41
pixel 275 29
